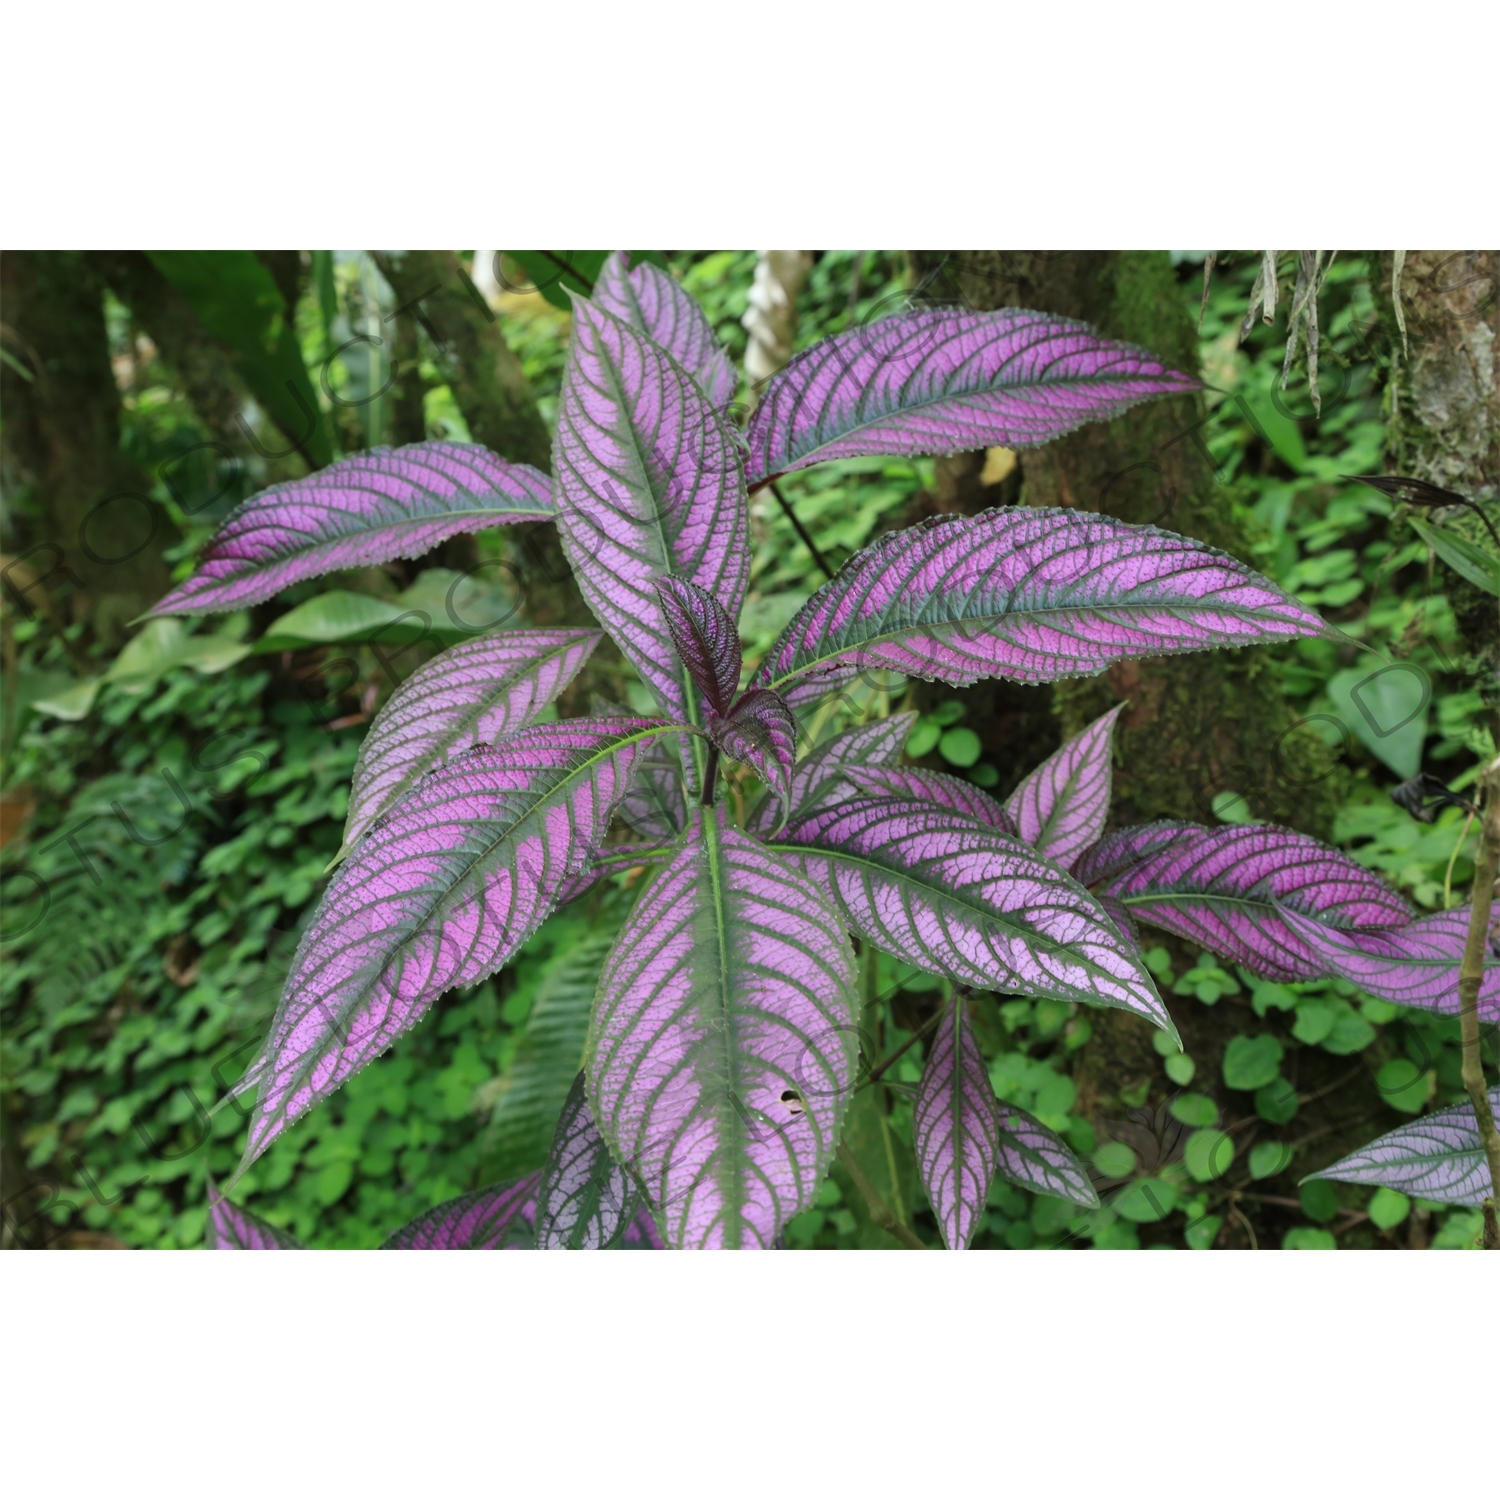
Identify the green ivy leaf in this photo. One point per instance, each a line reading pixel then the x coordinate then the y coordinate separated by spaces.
pixel 1251 1062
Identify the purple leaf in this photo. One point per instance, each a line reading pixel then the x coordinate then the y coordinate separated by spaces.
pixel 1227 888
pixel 494 1218
pixel 944 381
pixel 231 1227
pixel 722 1052
pixel 1438 1157
pixel 648 298
pixel 818 778
pixel 649 486
pixel 641 1233
pixel 585 1200
pixel 1414 965
pixel 470 695
pixel 1032 1156
pixel 911 783
pixel 656 805
pixel 760 731
pixel 378 505
pixel 955 1128
pixel 707 643
pixel 1061 806
pixel 940 891
pixel 1030 595
pixel 442 893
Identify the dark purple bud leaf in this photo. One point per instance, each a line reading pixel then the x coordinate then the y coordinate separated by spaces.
pixel 441 893
pixel 1226 889
pixel 722 1052
pixel 955 1127
pixel 912 783
pixel 1437 1157
pixel 761 732
pixel 707 642
pixel 940 891
pixel 231 1227
pixel 649 486
pixel 1033 1157
pixel 649 299
pixel 1030 595
pixel 1414 965
pixel 470 695
pixel 378 505
pixel 818 778
pixel 944 381
pixel 1061 806
pixel 494 1218
pixel 585 1200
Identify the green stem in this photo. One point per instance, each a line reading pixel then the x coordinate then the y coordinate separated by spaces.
pixel 880 1210
pixel 710 776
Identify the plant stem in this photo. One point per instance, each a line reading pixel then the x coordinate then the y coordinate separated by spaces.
pixel 916 1036
pixel 710 776
pixel 880 1210
pixel 800 529
pixel 1471 972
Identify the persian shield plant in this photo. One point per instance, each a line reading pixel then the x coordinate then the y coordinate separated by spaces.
pixel 724 1042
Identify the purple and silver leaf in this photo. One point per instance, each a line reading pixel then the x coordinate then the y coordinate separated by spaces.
pixel 955 1127
pixel 585 1200
pixel 938 890
pixel 818 778
pixel 760 731
pixel 378 505
pixel 1029 595
pixel 494 1218
pixel 1438 1157
pixel 946 381
pixel 1061 806
pixel 722 1053
pixel 470 695
pixel 1413 965
pixel 441 893
pixel 649 486
pixel 708 644
pixel 912 783
pixel 648 298
pixel 641 1234
pixel 1035 1158
pixel 231 1227
pixel 1227 889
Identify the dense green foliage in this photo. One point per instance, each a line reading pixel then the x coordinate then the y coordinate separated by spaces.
pixel 134 998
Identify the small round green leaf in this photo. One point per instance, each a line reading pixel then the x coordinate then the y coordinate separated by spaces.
pixel 1309 1239
pixel 948 713
pixel 1270 1159
pixel 1180 1069
pixel 923 738
pixel 1388 1208
pixel 1351 1033
pixel 1276 1102
pixel 1146 1200
pixel 1208 1154
pixel 960 747
pixel 984 776
pixel 1195 1109
pixel 1201 1233
pixel 1319 1200
pixel 1115 1159
pixel 1405 1086
pixel 1251 1062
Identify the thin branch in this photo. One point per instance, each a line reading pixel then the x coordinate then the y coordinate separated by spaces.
pixel 800 529
pixel 1471 972
pixel 880 1210
pixel 896 1056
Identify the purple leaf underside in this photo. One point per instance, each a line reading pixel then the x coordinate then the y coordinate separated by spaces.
pixel 649 299
pixel 955 1127
pixel 945 381
pixel 1227 889
pixel 1035 1158
pixel 656 805
pixel 231 1227
pixel 442 893
pixel 1415 965
pixel 470 695
pixel 1029 595
pixel 1437 1157
pixel 722 1052
pixel 649 486
pixel 494 1218
pixel 585 1200
pixel 818 778
pixel 1060 808
pixel 912 783
pixel 760 731
pixel 707 643
pixel 938 890
pixel 378 505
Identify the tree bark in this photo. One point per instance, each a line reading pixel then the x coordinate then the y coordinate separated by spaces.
pixel 101 534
